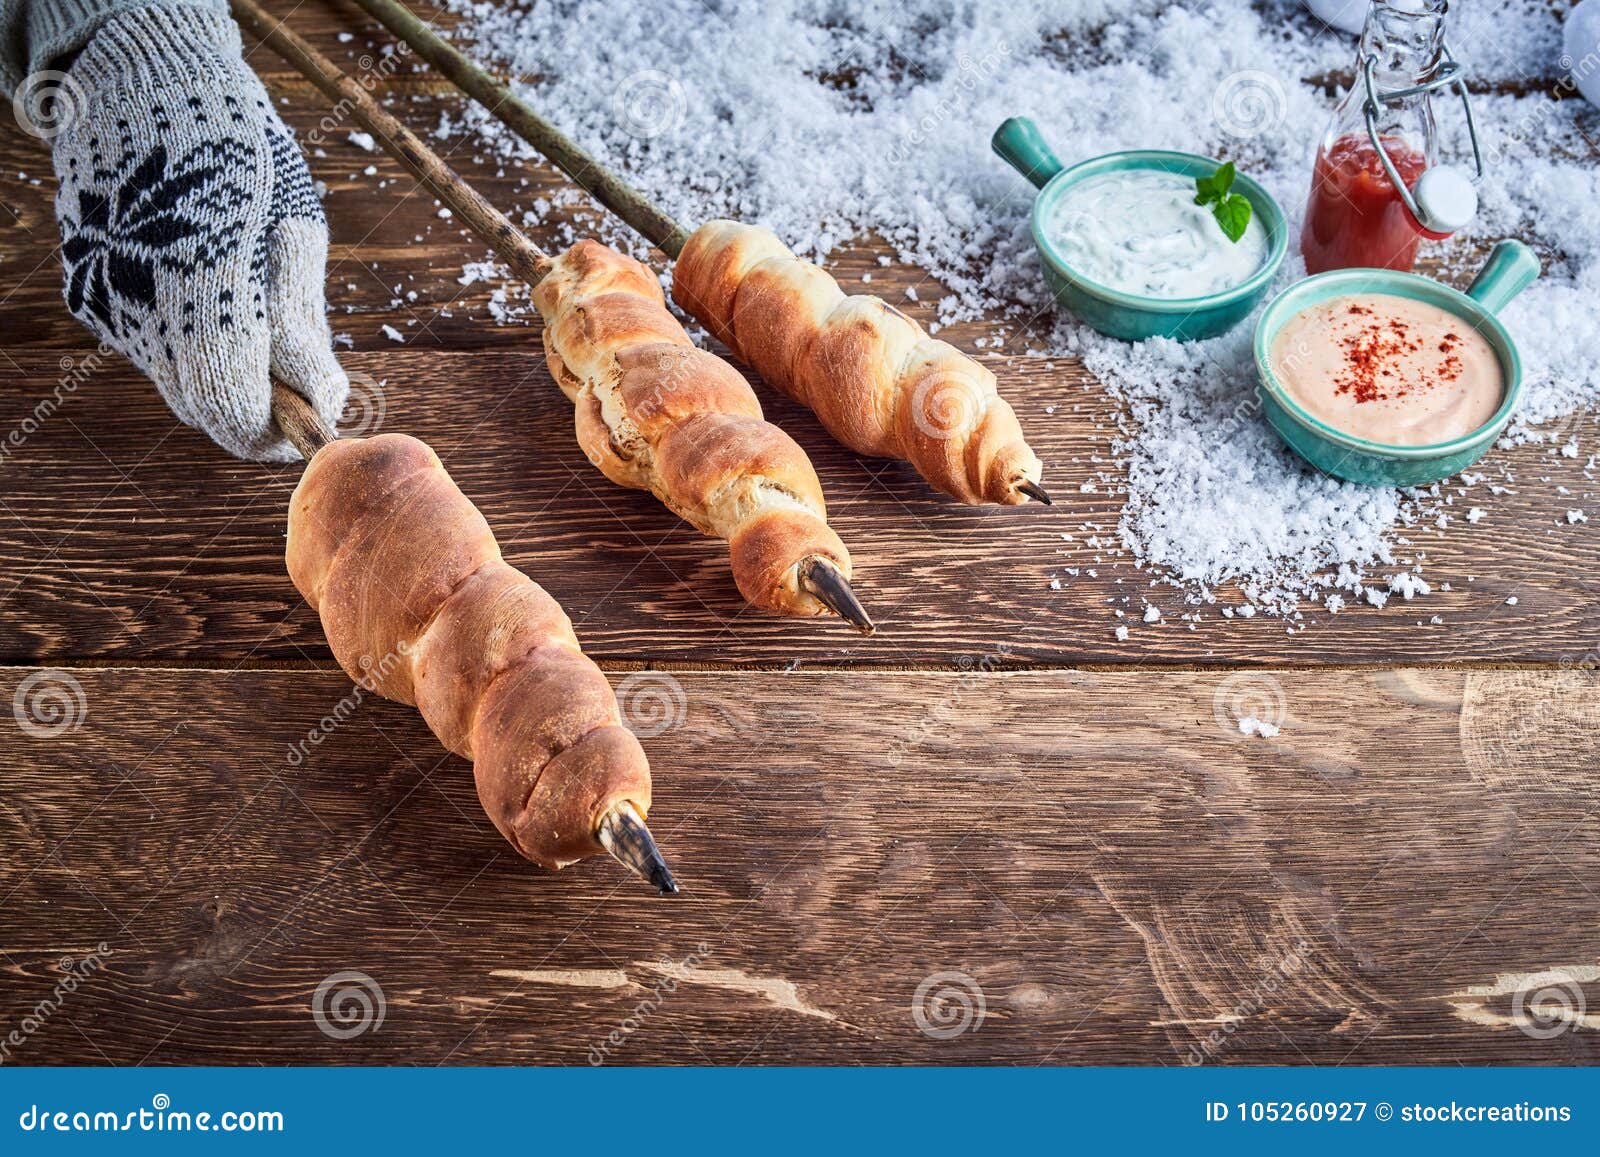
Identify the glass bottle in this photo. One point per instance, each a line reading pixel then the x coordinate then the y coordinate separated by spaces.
pixel 1356 216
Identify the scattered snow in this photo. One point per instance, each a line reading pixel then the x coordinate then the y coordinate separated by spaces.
pixel 363 141
pixel 475 271
pixel 828 123
pixel 1407 585
pixel 1250 725
pixel 393 334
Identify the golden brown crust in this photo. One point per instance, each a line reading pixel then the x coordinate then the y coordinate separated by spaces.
pixel 876 380
pixel 419 606
pixel 655 413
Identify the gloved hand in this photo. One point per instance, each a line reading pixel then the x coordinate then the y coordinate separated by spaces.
pixel 191 233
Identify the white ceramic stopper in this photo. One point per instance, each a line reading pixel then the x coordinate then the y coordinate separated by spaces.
pixel 1445 198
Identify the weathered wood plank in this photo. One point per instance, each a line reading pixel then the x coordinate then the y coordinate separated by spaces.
pixel 125 535
pixel 1123 876
pixel 113 549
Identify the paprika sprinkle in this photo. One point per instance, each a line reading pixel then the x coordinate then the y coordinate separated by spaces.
pixel 1388 369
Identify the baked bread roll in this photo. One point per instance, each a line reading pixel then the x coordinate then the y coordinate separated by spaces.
pixel 419 606
pixel 873 376
pixel 656 413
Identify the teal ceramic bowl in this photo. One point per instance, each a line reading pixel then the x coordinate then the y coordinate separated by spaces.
pixel 1511 268
pixel 1126 315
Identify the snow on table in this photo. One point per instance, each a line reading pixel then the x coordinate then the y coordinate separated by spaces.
pixel 826 129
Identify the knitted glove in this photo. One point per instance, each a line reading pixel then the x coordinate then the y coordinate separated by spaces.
pixel 192 236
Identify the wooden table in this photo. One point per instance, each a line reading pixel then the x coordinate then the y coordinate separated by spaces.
pixel 993 815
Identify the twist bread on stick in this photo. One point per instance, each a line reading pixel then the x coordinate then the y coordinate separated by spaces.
pixel 419 606
pixel 656 413
pixel 873 376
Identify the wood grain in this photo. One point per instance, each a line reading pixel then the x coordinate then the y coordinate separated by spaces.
pixel 123 535
pixel 1119 872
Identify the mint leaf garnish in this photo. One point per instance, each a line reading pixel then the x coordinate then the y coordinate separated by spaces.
pixel 1232 210
pixel 1214 187
pixel 1233 214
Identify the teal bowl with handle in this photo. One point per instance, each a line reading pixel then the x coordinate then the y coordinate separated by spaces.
pixel 1511 268
pixel 1130 316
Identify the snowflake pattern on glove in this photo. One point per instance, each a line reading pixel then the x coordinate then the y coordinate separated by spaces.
pixel 193 239
pixel 176 217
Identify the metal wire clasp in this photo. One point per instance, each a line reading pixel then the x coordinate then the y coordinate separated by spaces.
pixel 1450 74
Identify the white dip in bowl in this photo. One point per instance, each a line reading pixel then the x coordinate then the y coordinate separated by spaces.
pixel 1139 231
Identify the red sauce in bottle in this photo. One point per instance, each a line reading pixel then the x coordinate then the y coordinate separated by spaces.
pixel 1355 216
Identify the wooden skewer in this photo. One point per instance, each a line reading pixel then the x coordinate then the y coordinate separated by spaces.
pixel 493 227
pixel 823 579
pixel 526 259
pixel 582 167
pixel 1034 491
pixel 300 422
pixel 585 169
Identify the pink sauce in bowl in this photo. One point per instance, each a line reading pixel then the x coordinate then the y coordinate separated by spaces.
pixel 1388 369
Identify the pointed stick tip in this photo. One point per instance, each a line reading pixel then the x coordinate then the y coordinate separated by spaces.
pixel 625 836
pixel 827 582
pixel 1033 490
